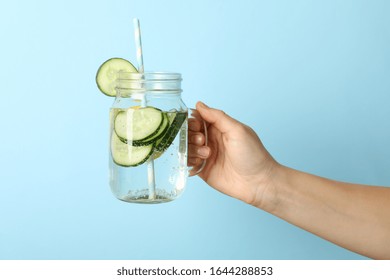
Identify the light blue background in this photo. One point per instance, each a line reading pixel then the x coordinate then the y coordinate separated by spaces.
pixel 311 77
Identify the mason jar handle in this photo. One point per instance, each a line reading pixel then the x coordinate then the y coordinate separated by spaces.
pixel 194 114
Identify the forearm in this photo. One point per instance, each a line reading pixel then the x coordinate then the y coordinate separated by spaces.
pixel 355 217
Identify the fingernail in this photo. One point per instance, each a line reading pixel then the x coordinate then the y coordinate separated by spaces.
pixel 196 139
pixel 203 151
pixel 203 105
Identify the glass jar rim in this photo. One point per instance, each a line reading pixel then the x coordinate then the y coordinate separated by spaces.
pixel 149 76
pixel 152 82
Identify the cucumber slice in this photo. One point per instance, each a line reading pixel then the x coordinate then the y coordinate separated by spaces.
pixel 107 74
pixel 137 125
pixel 161 131
pixel 176 121
pixel 127 155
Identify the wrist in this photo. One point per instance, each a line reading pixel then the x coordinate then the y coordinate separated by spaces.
pixel 268 191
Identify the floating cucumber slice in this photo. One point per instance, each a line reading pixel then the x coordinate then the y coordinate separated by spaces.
pixel 127 155
pixel 139 126
pixel 107 74
pixel 161 131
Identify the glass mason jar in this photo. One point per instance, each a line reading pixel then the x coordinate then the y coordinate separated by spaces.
pixel 148 138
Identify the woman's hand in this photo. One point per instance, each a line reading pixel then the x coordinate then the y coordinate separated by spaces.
pixel 237 162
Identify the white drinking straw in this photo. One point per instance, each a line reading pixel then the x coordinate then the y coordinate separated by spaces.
pixel 140 60
pixel 138 45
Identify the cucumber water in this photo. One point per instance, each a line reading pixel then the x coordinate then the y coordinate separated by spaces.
pixel 157 135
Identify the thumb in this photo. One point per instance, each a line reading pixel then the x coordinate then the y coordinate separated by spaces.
pixel 218 118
